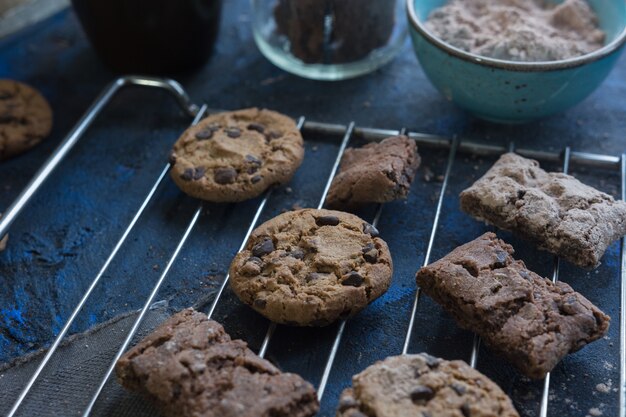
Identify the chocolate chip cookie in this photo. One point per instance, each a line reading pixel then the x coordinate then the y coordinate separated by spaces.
pixel 190 367
pixel 423 386
pixel 235 156
pixel 531 321
pixel 312 267
pixel 553 210
pixel 25 118
pixel 376 173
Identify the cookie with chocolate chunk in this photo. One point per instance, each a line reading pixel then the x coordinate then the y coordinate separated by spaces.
pixel 422 385
pixel 189 366
pixel 236 156
pixel 312 267
pixel 25 118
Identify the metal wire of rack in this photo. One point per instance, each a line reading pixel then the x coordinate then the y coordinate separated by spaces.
pixel 454 146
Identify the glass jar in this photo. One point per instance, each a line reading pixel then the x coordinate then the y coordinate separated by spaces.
pixel 329 39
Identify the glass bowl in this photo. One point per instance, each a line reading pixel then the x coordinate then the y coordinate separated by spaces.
pixel 329 39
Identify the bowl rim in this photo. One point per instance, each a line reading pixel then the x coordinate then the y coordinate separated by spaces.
pixel 598 54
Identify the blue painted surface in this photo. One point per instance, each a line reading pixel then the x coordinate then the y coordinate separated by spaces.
pixel 512 92
pixel 62 239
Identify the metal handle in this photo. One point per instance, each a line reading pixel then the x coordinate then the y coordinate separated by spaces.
pixel 79 129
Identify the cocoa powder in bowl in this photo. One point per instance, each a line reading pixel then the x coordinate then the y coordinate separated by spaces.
pixel 518 30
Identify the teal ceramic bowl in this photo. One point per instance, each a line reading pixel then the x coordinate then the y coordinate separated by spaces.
pixel 509 91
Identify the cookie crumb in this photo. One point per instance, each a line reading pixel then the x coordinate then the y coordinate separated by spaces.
pixel 604 387
pixel 595 412
pixel 428 174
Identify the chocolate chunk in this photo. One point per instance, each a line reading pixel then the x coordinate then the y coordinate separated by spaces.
pixel 188 174
pixel 297 253
pixel 327 221
pixel 260 303
pixel 353 279
pixel 257 127
pixel 198 173
pixel 370 230
pixel 252 169
pixel 346 403
pixel 458 388
pixel 4 95
pixel 233 132
pixel 431 361
pixel 313 276
pixel 264 248
pixel 255 260
pixel 422 394
pixel 370 253
pixel 371 257
pixel 256 179
pixel 466 410
pixel 204 134
pixel 172 158
pixel 274 134
pixel 225 175
pixel 252 267
pixel 253 160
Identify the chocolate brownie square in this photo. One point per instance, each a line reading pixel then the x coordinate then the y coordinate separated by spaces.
pixel 528 319
pixel 553 210
pixel 190 367
pixel 375 173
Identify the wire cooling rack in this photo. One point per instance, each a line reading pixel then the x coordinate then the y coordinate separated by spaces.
pixel 454 147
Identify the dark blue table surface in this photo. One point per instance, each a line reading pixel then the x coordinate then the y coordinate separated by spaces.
pixel 62 238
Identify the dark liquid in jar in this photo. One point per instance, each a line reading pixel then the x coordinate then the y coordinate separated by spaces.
pixel 155 36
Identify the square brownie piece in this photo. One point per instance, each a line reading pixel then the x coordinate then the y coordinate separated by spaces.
pixel 528 319
pixel 553 210
pixel 189 366
pixel 375 173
